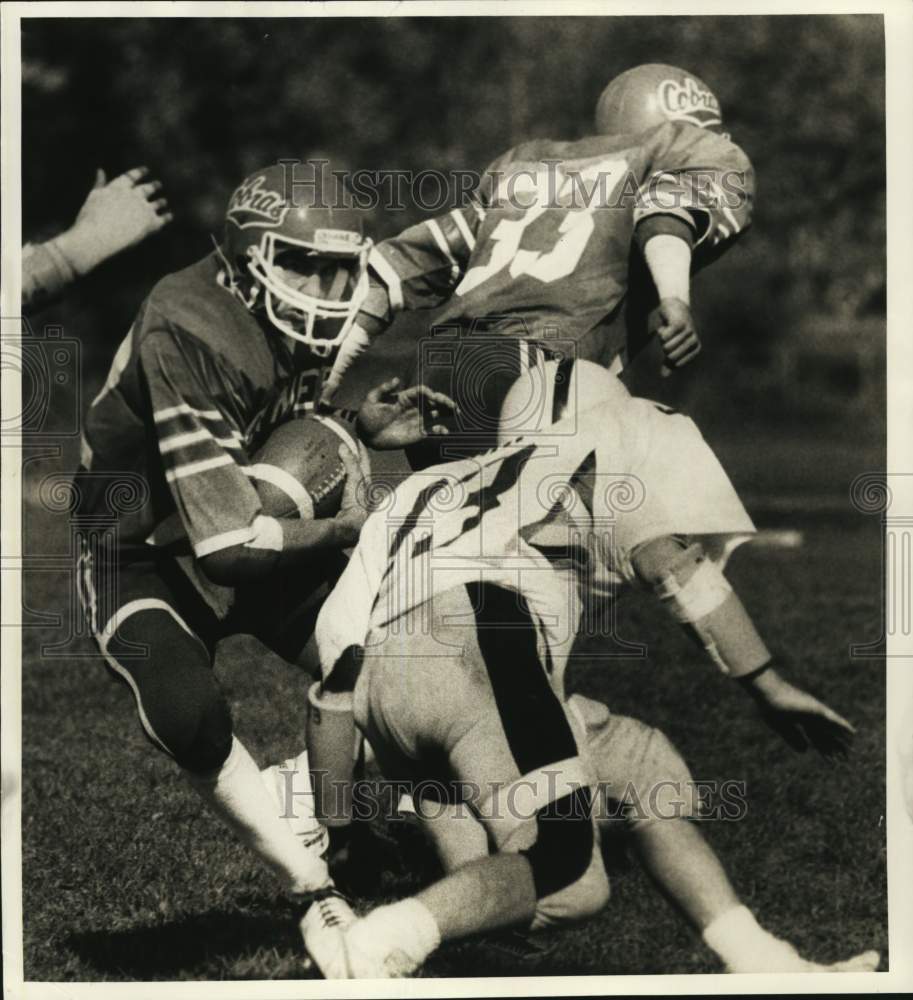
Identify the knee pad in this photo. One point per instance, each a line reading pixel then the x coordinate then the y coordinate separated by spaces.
pixel 581 899
pixel 180 705
pixel 210 745
pixel 703 603
pixel 564 842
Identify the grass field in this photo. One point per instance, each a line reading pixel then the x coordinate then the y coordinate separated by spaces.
pixel 125 878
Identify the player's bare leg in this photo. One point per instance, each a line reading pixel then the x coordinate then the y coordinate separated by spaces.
pixel 394 940
pixel 456 835
pixel 686 869
pixel 504 886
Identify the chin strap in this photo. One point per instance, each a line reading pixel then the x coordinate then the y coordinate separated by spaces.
pixel 227 279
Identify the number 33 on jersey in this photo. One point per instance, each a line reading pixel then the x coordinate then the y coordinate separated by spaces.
pixel 544 245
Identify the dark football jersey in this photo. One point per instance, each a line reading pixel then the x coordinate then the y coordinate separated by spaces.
pixel 193 390
pixel 543 249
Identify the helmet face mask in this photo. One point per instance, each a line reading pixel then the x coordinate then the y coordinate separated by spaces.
pixel 306 265
pixel 310 296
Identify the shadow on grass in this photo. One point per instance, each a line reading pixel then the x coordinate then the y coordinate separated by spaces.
pixel 194 945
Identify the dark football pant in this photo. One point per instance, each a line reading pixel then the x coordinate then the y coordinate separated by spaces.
pixel 456 702
pixel 158 635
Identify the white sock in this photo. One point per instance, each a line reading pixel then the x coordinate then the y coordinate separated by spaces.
pixel 289 786
pixel 744 946
pixel 236 793
pixel 399 937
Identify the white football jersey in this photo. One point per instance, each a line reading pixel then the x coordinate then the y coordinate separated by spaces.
pixel 540 515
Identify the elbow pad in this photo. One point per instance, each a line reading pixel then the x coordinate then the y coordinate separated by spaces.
pixel 702 602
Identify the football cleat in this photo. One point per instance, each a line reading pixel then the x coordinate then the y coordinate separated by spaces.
pixel 322 930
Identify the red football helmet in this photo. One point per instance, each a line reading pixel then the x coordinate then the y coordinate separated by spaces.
pixel 648 95
pixel 304 260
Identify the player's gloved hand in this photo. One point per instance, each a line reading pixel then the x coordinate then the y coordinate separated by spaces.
pixel 672 322
pixel 389 418
pixel 353 508
pixel 114 216
pixel 801 719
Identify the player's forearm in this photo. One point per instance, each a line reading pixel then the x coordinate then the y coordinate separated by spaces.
pixel 294 542
pixel 80 249
pixel 46 274
pixel 764 682
pixel 377 310
pixel 374 316
pixel 302 538
pixel 698 596
pixel 669 262
pixel 666 243
pixel 356 343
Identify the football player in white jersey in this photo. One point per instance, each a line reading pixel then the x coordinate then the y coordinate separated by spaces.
pixel 457 614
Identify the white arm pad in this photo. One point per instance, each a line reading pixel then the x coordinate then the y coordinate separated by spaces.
pixel 355 344
pixel 669 260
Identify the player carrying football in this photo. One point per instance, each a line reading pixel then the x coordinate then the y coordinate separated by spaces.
pixel 220 353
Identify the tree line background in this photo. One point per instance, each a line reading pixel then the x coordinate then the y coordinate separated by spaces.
pixel 792 318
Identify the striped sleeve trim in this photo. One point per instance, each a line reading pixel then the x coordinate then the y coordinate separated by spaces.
pixel 195 468
pixel 720 199
pixel 175 441
pixel 169 412
pixel 442 245
pixel 240 536
pixel 698 208
pixel 463 227
pixel 387 274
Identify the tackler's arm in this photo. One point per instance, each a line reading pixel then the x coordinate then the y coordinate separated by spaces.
pixel 700 598
pixel 666 244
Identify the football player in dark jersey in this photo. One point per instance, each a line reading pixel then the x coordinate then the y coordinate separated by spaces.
pixel 219 354
pixel 555 239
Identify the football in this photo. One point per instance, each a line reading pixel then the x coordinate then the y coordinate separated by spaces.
pixel 298 472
